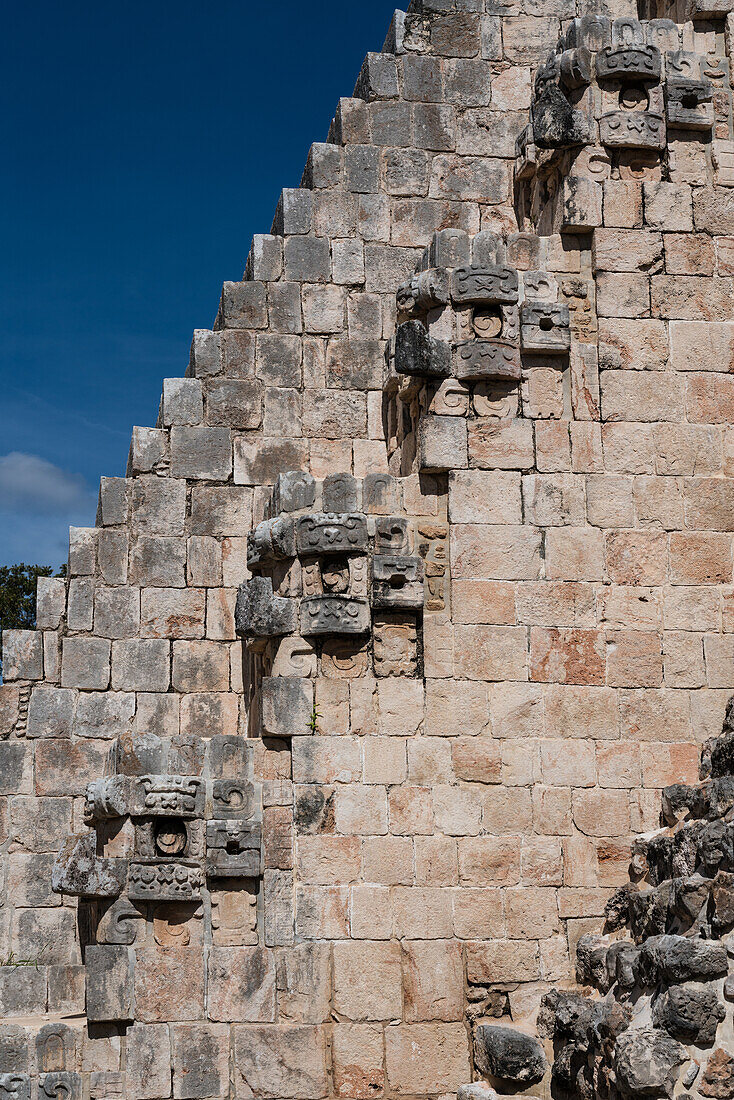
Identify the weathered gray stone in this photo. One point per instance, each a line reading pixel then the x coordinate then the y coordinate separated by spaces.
pixel 141 665
pixel 294 212
pixel 158 506
pixel 261 614
pixel 109 983
pixel 509 1055
pixel 104 714
pixel 80 611
pixel 22 655
pixel 85 663
pixel 242 984
pixel 50 602
pixel 148 1068
pixel 443 443
pixel 51 712
pixel 203 454
pixel 647 1062
pixel 158 562
pixel 287 706
pixel 14 768
pixel 79 872
pixel 183 401
pixel 287 1061
pixel 690 1012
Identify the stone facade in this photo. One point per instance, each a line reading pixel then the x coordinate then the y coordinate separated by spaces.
pixel 333 747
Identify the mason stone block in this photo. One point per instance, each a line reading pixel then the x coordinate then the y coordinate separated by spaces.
pixel 378 78
pixel 66 990
pixel 422 79
pixel 392 124
pixel 142 753
pixel 233 403
pixel 418 353
pixel 50 602
pixel 113 499
pixel 582 205
pixel 9 708
pixel 49 935
pixel 148 1062
pixel 204 454
pixel 285 308
pixel 51 712
pixel 117 612
pixel 159 506
pixel 52 656
pixel 80 612
pixel 323 167
pixel 85 663
pixel 39 823
pixel 287 706
pixel 22 655
pixel 339 493
pixel 279 908
pixel 141 665
pixel 221 510
pixel 241 984
pixel 294 491
pixel 243 306
pixel 200 666
pixel 58 1048
pixel 294 212
pixel 109 983
pixel 14 760
pixel 307 259
pixel 200 1060
pixel 104 715
pixel 350 125
pixel 265 259
pixel 362 167
pixel 183 401
pixel 169 984
pixel 106 1085
pixel 23 991
pixel 443 443
pixel 29 878
pixel 15 1050
pixel 205 356
pixel 158 562
pixel 148 450
pixel 82 551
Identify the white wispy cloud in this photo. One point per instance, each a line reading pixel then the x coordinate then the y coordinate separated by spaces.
pixel 31 485
pixel 38 503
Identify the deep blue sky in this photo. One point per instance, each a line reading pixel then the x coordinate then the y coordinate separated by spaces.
pixel 143 145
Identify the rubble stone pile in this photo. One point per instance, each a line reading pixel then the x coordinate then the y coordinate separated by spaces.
pixel 661 1018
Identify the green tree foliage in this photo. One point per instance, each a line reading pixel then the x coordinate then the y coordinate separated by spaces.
pixel 18 595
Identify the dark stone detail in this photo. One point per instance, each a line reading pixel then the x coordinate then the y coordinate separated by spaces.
pixel 259 613
pixel 486 285
pixel 689 1012
pixel 629 63
pixel 509 1055
pixel 417 353
pixel 334 615
pixel 556 124
pixel 323 533
pixel 487 359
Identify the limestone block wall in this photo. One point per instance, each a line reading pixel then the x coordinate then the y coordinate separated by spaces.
pixel 319 853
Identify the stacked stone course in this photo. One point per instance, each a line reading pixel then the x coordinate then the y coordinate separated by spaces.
pixel 332 745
